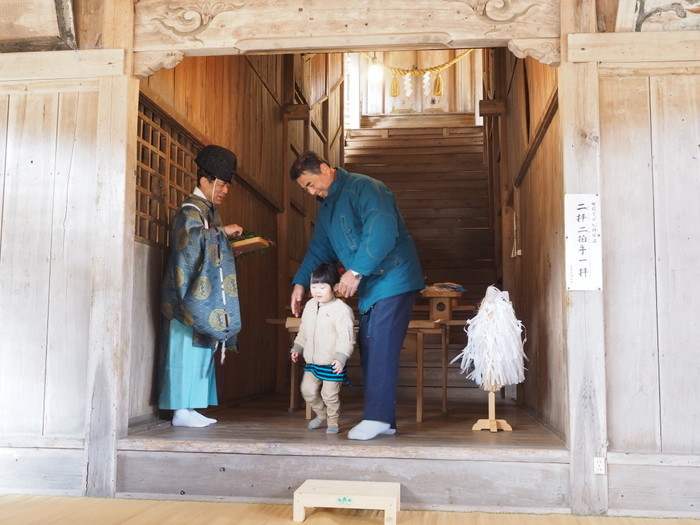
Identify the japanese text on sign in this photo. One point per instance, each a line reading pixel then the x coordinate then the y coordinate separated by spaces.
pixel 584 254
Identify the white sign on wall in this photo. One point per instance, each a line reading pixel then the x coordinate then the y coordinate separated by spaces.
pixel 584 254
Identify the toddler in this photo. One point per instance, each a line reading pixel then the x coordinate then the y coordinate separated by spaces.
pixel 327 339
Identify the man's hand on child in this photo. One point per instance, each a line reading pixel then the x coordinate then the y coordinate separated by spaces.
pixel 337 366
pixel 297 297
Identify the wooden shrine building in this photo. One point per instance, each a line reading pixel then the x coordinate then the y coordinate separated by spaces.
pixel 564 107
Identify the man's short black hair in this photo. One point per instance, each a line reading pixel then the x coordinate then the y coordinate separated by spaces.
pixel 308 161
pixel 325 273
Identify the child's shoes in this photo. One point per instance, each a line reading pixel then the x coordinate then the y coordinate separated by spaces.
pixel 332 429
pixel 315 423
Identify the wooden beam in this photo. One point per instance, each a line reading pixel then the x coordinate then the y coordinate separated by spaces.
pixel 208 28
pixel 45 26
pixel 492 108
pixel 584 313
pixel 665 46
pixel 296 112
pixel 57 65
pixel 540 132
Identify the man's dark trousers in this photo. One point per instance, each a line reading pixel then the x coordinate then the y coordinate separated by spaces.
pixel 381 335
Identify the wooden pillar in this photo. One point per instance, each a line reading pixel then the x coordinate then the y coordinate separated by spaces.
pixel 283 289
pixel 109 337
pixel 580 122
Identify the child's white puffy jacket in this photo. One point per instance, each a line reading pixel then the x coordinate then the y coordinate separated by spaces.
pixel 326 332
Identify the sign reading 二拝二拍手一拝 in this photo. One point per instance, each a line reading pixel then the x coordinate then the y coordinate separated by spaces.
pixel 584 255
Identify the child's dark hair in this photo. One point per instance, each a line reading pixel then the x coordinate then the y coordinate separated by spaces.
pixel 325 273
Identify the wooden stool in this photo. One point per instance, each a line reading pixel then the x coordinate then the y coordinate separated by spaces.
pixel 373 495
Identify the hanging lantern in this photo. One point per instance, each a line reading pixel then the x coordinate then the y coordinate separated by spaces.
pixel 375 72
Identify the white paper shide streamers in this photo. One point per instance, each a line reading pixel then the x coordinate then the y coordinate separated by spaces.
pixel 495 340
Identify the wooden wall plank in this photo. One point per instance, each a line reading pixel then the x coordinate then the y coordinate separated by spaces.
pixel 317 77
pixel 25 265
pixel 542 282
pixel 146 322
pixel 442 193
pixel 251 372
pixel 239 107
pixel 4 132
pixel 647 490
pixel 675 106
pixel 42 471
pixel 632 358
pixel 70 286
pixel 531 160
pixel 259 476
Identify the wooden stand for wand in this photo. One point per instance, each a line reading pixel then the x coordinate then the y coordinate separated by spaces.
pixel 492 424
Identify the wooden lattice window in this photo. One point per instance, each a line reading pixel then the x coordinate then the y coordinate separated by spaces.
pixel 165 172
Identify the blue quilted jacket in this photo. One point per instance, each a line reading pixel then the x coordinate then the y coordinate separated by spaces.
pixel 360 226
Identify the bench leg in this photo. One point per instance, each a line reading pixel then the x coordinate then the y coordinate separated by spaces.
pixel 390 514
pixel 299 512
pixel 419 377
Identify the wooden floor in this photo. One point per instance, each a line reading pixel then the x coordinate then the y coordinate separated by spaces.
pixel 57 510
pixel 267 421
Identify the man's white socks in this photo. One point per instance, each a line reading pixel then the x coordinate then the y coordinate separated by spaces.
pixel 187 417
pixel 209 420
pixel 369 429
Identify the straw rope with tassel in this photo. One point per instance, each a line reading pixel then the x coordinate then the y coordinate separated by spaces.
pixel 394 88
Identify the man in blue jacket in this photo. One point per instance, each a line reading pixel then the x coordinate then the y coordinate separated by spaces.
pixel 359 225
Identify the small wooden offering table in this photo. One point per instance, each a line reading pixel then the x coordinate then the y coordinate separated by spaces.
pixel 441 301
pixel 441 307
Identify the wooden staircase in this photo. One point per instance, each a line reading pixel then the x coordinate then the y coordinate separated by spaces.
pixel 440 181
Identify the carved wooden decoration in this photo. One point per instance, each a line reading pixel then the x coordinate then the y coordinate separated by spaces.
pixel 146 63
pixel 247 26
pixel 658 15
pixel 546 50
pixel 37 25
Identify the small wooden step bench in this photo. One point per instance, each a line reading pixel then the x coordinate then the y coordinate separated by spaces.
pixel 375 495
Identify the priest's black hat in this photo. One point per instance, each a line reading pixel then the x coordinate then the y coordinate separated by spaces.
pixel 217 162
